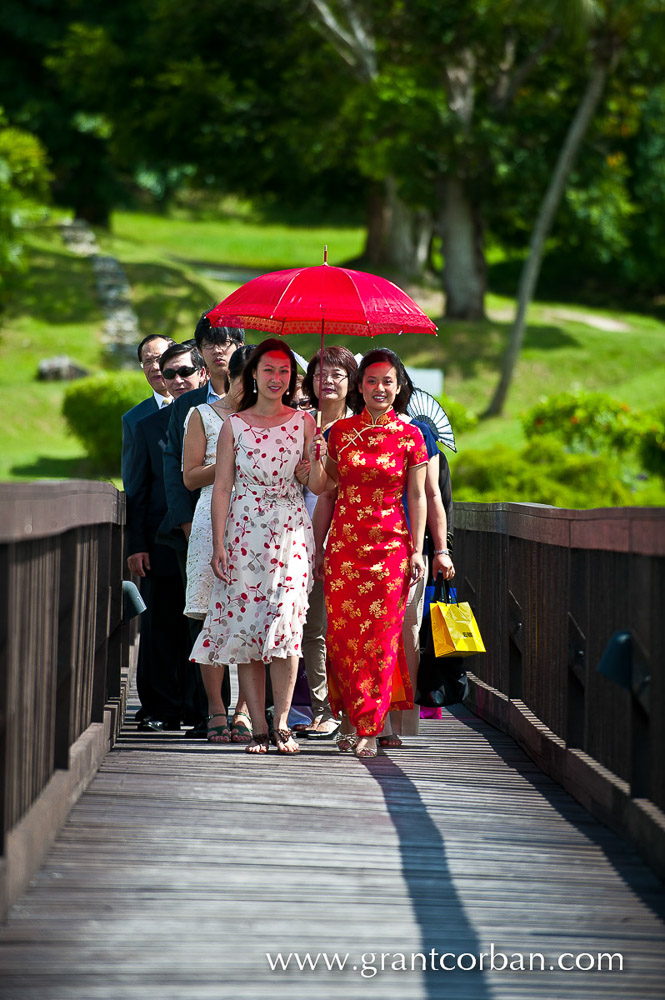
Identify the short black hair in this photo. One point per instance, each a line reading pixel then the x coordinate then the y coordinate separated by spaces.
pixel 217 334
pixel 153 336
pixel 177 351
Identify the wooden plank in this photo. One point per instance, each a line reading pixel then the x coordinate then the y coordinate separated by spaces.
pixel 184 864
pixel 39 509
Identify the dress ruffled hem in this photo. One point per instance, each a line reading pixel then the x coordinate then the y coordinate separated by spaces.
pixel 238 650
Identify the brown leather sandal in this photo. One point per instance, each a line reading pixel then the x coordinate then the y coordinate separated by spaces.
pixel 281 737
pixel 260 740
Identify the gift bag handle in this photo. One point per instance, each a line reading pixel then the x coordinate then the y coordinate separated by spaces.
pixel 441 587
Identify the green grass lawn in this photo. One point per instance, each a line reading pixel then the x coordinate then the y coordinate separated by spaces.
pixel 180 266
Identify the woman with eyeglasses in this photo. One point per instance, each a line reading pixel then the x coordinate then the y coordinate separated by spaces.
pixel 337 396
pixel 263 546
pixel 372 555
pixel 203 425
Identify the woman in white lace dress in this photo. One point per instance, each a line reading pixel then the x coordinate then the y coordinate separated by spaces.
pixel 263 544
pixel 202 427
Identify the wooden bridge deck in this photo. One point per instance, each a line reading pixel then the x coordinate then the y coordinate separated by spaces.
pixel 184 864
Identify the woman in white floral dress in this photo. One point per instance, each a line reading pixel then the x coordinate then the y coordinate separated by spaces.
pixel 202 428
pixel 263 544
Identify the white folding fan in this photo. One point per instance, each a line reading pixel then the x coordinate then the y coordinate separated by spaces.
pixel 424 407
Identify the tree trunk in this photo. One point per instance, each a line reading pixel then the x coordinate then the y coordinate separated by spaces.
pixel 391 231
pixel 464 268
pixel 550 203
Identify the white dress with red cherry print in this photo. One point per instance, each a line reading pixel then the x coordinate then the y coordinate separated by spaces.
pixel 260 612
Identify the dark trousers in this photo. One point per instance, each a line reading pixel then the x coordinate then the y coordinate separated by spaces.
pixel 195 626
pixel 169 685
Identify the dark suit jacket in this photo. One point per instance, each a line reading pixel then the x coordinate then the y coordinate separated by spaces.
pixel 129 421
pixel 180 501
pixel 146 497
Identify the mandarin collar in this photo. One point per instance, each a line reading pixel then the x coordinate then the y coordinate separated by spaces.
pixel 385 418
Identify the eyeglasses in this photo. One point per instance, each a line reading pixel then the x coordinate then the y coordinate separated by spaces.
pixel 335 377
pixel 303 404
pixel 171 373
pixel 150 362
pixel 224 346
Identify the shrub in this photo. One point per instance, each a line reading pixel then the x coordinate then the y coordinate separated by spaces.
pixel 460 418
pixel 93 408
pixel 651 447
pixel 585 422
pixel 542 472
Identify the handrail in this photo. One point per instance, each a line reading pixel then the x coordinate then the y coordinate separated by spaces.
pixel 64 656
pixel 551 588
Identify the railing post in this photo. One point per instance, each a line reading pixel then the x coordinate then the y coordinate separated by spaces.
pixel 65 655
pixel 5 557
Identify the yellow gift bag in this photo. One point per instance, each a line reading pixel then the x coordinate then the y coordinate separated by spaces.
pixel 455 630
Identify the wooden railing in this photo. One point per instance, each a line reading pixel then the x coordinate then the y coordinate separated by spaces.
pixel 64 657
pixel 551 589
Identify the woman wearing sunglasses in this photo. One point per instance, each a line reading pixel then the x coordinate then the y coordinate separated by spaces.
pixel 203 425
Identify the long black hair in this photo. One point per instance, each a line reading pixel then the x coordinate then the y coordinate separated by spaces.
pixel 238 360
pixel 382 355
pixel 249 395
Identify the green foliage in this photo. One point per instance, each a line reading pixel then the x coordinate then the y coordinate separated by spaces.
pixel 543 472
pixel 585 422
pixel 461 419
pixel 70 123
pixel 652 443
pixel 93 408
pixel 24 180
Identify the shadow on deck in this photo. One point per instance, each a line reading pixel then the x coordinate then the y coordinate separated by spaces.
pixel 184 866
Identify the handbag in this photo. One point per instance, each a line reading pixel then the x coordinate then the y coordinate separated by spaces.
pixel 454 628
pixel 441 680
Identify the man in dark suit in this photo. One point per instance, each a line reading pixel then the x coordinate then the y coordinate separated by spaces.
pixel 149 350
pixel 166 680
pixel 216 345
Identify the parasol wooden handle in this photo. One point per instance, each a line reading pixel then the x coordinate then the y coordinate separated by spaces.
pixel 318 430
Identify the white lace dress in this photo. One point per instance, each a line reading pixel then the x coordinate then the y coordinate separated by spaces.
pixel 200 577
pixel 260 612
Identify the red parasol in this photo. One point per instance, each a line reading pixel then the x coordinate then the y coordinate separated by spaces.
pixel 334 300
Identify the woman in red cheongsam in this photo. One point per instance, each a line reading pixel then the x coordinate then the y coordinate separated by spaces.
pixel 371 557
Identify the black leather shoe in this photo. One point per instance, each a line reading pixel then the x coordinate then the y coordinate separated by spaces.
pixel 163 725
pixel 199 731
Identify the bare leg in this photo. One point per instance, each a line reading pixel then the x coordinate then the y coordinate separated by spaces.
pixel 366 747
pixel 241 726
pixel 212 677
pixel 252 676
pixel 347 739
pixel 283 673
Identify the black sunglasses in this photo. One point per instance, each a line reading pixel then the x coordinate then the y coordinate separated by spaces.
pixel 170 373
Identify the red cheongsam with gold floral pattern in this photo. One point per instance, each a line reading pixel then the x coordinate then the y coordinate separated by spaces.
pixel 367 567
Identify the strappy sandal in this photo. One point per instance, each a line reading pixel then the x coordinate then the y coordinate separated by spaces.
pixel 346 742
pixel 391 741
pixel 240 733
pixel 281 737
pixel 260 740
pixel 218 734
pixel 366 753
